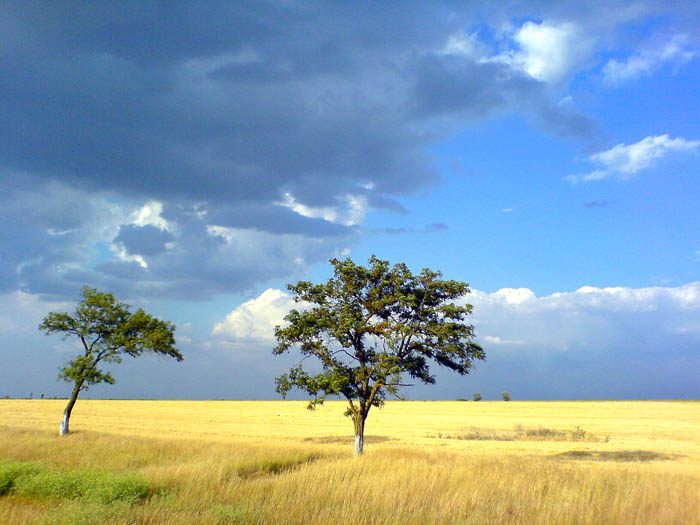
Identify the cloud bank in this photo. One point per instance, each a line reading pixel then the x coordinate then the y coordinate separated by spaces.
pixel 593 342
pixel 588 319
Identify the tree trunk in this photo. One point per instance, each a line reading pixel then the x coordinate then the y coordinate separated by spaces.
pixel 359 421
pixel 69 409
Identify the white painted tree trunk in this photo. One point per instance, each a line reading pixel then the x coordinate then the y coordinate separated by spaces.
pixel 359 445
pixel 69 407
pixel 64 424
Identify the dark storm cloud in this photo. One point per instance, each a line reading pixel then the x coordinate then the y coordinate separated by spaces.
pixel 221 102
pixel 212 103
pixel 275 220
pixel 227 107
pixel 143 240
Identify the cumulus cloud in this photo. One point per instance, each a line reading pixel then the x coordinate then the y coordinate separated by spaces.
pixel 624 161
pixel 678 50
pixel 548 52
pixel 256 319
pixel 150 215
pixel 56 245
pixel 590 343
pixel 590 319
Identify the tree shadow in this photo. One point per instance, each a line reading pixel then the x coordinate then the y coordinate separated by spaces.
pixel 347 440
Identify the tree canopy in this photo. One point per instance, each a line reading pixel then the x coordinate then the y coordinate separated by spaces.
pixel 107 331
pixel 373 329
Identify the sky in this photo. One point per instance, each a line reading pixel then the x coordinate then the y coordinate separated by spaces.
pixel 194 158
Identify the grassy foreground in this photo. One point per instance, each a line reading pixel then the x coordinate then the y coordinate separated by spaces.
pixel 425 462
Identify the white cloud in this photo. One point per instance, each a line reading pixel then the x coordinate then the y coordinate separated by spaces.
pixel 350 211
pixel 256 319
pixel 495 340
pixel 228 234
pixel 514 295
pixel 588 319
pixel 677 50
pixel 464 44
pixel 626 160
pixel 125 256
pixel 149 215
pixel 547 52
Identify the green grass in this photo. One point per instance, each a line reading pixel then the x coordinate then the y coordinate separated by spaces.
pixel 34 480
pixel 234 515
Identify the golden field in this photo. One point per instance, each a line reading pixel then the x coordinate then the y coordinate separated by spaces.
pixel 424 462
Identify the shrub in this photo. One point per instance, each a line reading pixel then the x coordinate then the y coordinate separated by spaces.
pixel 505 396
pixel 477 396
pixel 38 481
pixel 10 472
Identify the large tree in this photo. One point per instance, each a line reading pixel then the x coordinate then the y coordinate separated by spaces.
pixel 371 330
pixel 107 331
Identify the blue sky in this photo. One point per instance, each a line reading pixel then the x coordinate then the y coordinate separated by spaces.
pixel 195 158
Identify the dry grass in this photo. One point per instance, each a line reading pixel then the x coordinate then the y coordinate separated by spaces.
pixel 275 462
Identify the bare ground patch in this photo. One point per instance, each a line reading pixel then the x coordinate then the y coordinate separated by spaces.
pixel 524 434
pixel 616 455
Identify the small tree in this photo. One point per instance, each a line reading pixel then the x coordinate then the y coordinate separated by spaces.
pixel 107 331
pixel 505 396
pixel 370 328
pixel 477 396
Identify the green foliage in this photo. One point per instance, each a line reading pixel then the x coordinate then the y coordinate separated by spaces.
pixel 505 396
pixel 11 471
pixel 37 481
pixel 477 396
pixel 107 331
pixel 371 328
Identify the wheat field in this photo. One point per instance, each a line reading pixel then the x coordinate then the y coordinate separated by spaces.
pixel 424 462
